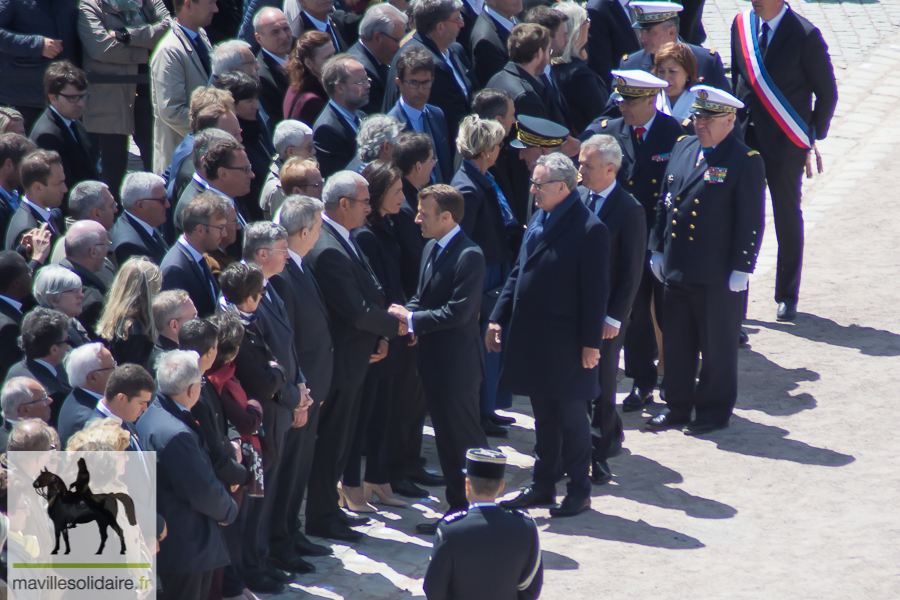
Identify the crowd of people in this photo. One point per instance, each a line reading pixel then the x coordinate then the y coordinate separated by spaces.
pixel 352 216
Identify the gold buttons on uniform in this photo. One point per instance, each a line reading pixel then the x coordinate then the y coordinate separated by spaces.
pixel 655 195
pixel 693 214
pixel 673 235
pixel 675 210
pixel 692 225
pixel 690 239
pixel 630 183
pixel 696 201
pixel 674 222
pixel 677 198
pixel 652 181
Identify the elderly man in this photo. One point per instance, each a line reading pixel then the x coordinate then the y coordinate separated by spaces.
pixel 623 216
pixel 87 244
pixel 550 318
pixel 44 187
pixel 233 55
pixel 273 34
pixel 22 398
pixel 292 139
pixel 375 141
pixel 180 64
pixel 136 231
pixel 380 31
pixel 171 309
pixel 15 288
pixel 89 367
pixel 334 132
pixel 189 497
pixel 45 341
pixel 93 200
pixel 360 328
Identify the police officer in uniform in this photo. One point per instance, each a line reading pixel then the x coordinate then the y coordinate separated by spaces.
pixel 485 552
pixel 646 137
pixel 707 235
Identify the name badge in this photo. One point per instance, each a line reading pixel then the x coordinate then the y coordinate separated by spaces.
pixel 661 157
pixel 715 174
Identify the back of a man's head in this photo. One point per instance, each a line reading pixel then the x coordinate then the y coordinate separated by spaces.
pixel 33 435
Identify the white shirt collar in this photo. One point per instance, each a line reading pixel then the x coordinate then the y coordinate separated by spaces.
pixel 105 410
pixel 44 212
pixel 14 303
pixel 482 504
pixel 605 193
pixel 448 237
pixel 281 61
pixel 649 124
pixel 320 25
pixel 343 231
pixel 92 393
pixel 507 24
pixel 548 71
pixel 207 185
pixel 348 116
pixel 68 122
pixel 297 258
pixel 197 256
pixel 774 21
pixel 50 367
pixel 142 223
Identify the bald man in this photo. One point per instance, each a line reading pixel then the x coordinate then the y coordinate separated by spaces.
pixel 87 243
pixel 273 33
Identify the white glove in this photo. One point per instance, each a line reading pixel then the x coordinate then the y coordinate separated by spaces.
pixel 656 265
pixel 738 281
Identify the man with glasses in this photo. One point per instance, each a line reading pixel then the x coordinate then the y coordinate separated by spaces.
pixel 334 132
pixel 60 129
pixel 646 137
pixel 415 79
pixel 171 309
pixel 22 398
pixel 380 32
pixel 87 244
pixel 89 367
pixel 705 241
pixel 292 139
pixel 136 232
pixel 45 341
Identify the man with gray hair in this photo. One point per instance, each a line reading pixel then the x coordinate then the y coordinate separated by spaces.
pixel 380 31
pixel 334 132
pixel 93 200
pixel 551 323
pixel 292 138
pixel 171 309
pixel 233 55
pixel 189 496
pixel 87 245
pixel 22 398
pixel 89 367
pixel 136 232
pixel 623 215
pixel 361 327
pixel 273 34
pixel 375 141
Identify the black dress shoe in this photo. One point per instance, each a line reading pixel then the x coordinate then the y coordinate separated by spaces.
pixel 743 338
pixel 600 472
pixel 351 520
pixel 664 420
pixel 262 583
pixel 570 507
pixel 292 564
pixel 428 528
pixel 502 421
pixel 787 311
pixel 636 400
pixel 702 427
pixel 334 531
pixel 304 547
pixel 528 498
pixel 492 430
pixel 405 487
pixel 425 477
pixel 276 574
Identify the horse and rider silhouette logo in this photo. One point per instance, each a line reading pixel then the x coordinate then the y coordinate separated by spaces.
pixel 67 509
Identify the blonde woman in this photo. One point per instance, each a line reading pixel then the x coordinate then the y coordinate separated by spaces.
pixel 126 324
pixel 579 84
pixel 11 121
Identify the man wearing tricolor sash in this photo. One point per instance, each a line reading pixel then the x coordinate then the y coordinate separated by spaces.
pixel 779 62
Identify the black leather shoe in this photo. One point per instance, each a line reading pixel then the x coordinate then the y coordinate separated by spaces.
pixel 292 564
pixel 405 487
pixel 262 583
pixel 570 507
pixel 276 574
pixel 636 400
pixel 492 430
pixel 428 528
pixel 423 476
pixel 351 520
pixel 334 531
pixel 304 547
pixel 743 338
pixel 502 421
pixel 528 498
pixel 702 427
pixel 600 472
pixel 662 421
pixel 787 311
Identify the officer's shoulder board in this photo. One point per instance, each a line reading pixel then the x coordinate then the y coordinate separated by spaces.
pixel 604 123
pixel 753 153
pixel 712 51
pixel 685 123
pixel 456 516
pixel 624 56
pixel 681 138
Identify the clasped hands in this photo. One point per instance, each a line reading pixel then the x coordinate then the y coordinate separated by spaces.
pixel 301 413
pixel 402 314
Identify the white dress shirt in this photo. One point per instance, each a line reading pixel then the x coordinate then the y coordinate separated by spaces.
pixel 773 23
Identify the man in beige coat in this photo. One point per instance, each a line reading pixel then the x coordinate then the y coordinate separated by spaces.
pixel 180 64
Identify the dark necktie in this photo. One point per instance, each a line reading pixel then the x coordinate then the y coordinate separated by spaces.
pixel 202 53
pixel 764 39
pixel 432 258
pixel 329 29
pixel 158 238
pixel 592 202
pixel 210 280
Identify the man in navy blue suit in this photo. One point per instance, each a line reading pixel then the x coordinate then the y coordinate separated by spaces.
pixel 550 318
pixel 334 132
pixel 136 232
pixel 415 78
pixel 89 367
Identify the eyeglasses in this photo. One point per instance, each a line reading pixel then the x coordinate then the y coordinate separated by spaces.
pixel 706 118
pixel 219 227
pixel 75 291
pixel 162 200
pixel 246 169
pixel 108 243
pixel 391 37
pixel 76 98
pixel 460 23
pixel 433 160
pixel 366 202
pixel 45 398
pixel 538 185
pixel 363 83
pixel 316 185
pixel 281 251
pixel 114 365
pixel 415 84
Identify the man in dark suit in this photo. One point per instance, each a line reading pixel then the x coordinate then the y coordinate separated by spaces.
pixel 185 267
pixel 306 15
pixel 610 37
pixel 171 309
pixel 646 137
pixel 443 315
pixel 550 314
pixel 309 321
pixel 87 244
pixel 22 398
pixel 705 253
pixel 136 231
pixel 129 392
pixel 360 329
pixel 487 46
pixel 189 496
pixel 380 32
pixel 59 129
pixel 334 132
pixel 601 158
pixel 89 367
pixel 273 34
pixel 13 148
pixel 796 59
pixel 555 23
pixel 485 551
pixel 44 184
pixel 437 27
pixel 415 78
pixel 15 288
pixel 469 14
pixel 45 341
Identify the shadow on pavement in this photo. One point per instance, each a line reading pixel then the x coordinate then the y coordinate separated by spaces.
pixel 616 529
pixel 557 562
pixel 869 341
pixel 766 386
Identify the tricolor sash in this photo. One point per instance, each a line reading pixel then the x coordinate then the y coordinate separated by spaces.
pixel 776 104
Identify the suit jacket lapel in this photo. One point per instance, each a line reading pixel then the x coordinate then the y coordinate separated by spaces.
pixel 624 20
pixel 781 36
pixel 199 272
pixel 189 48
pixel 276 306
pixel 557 230
pixel 627 142
pixel 148 239
pixel 308 282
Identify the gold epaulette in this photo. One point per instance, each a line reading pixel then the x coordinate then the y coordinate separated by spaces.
pixel 753 153
pixel 681 138
pixel 686 122
pixel 711 51
pixel 604 122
